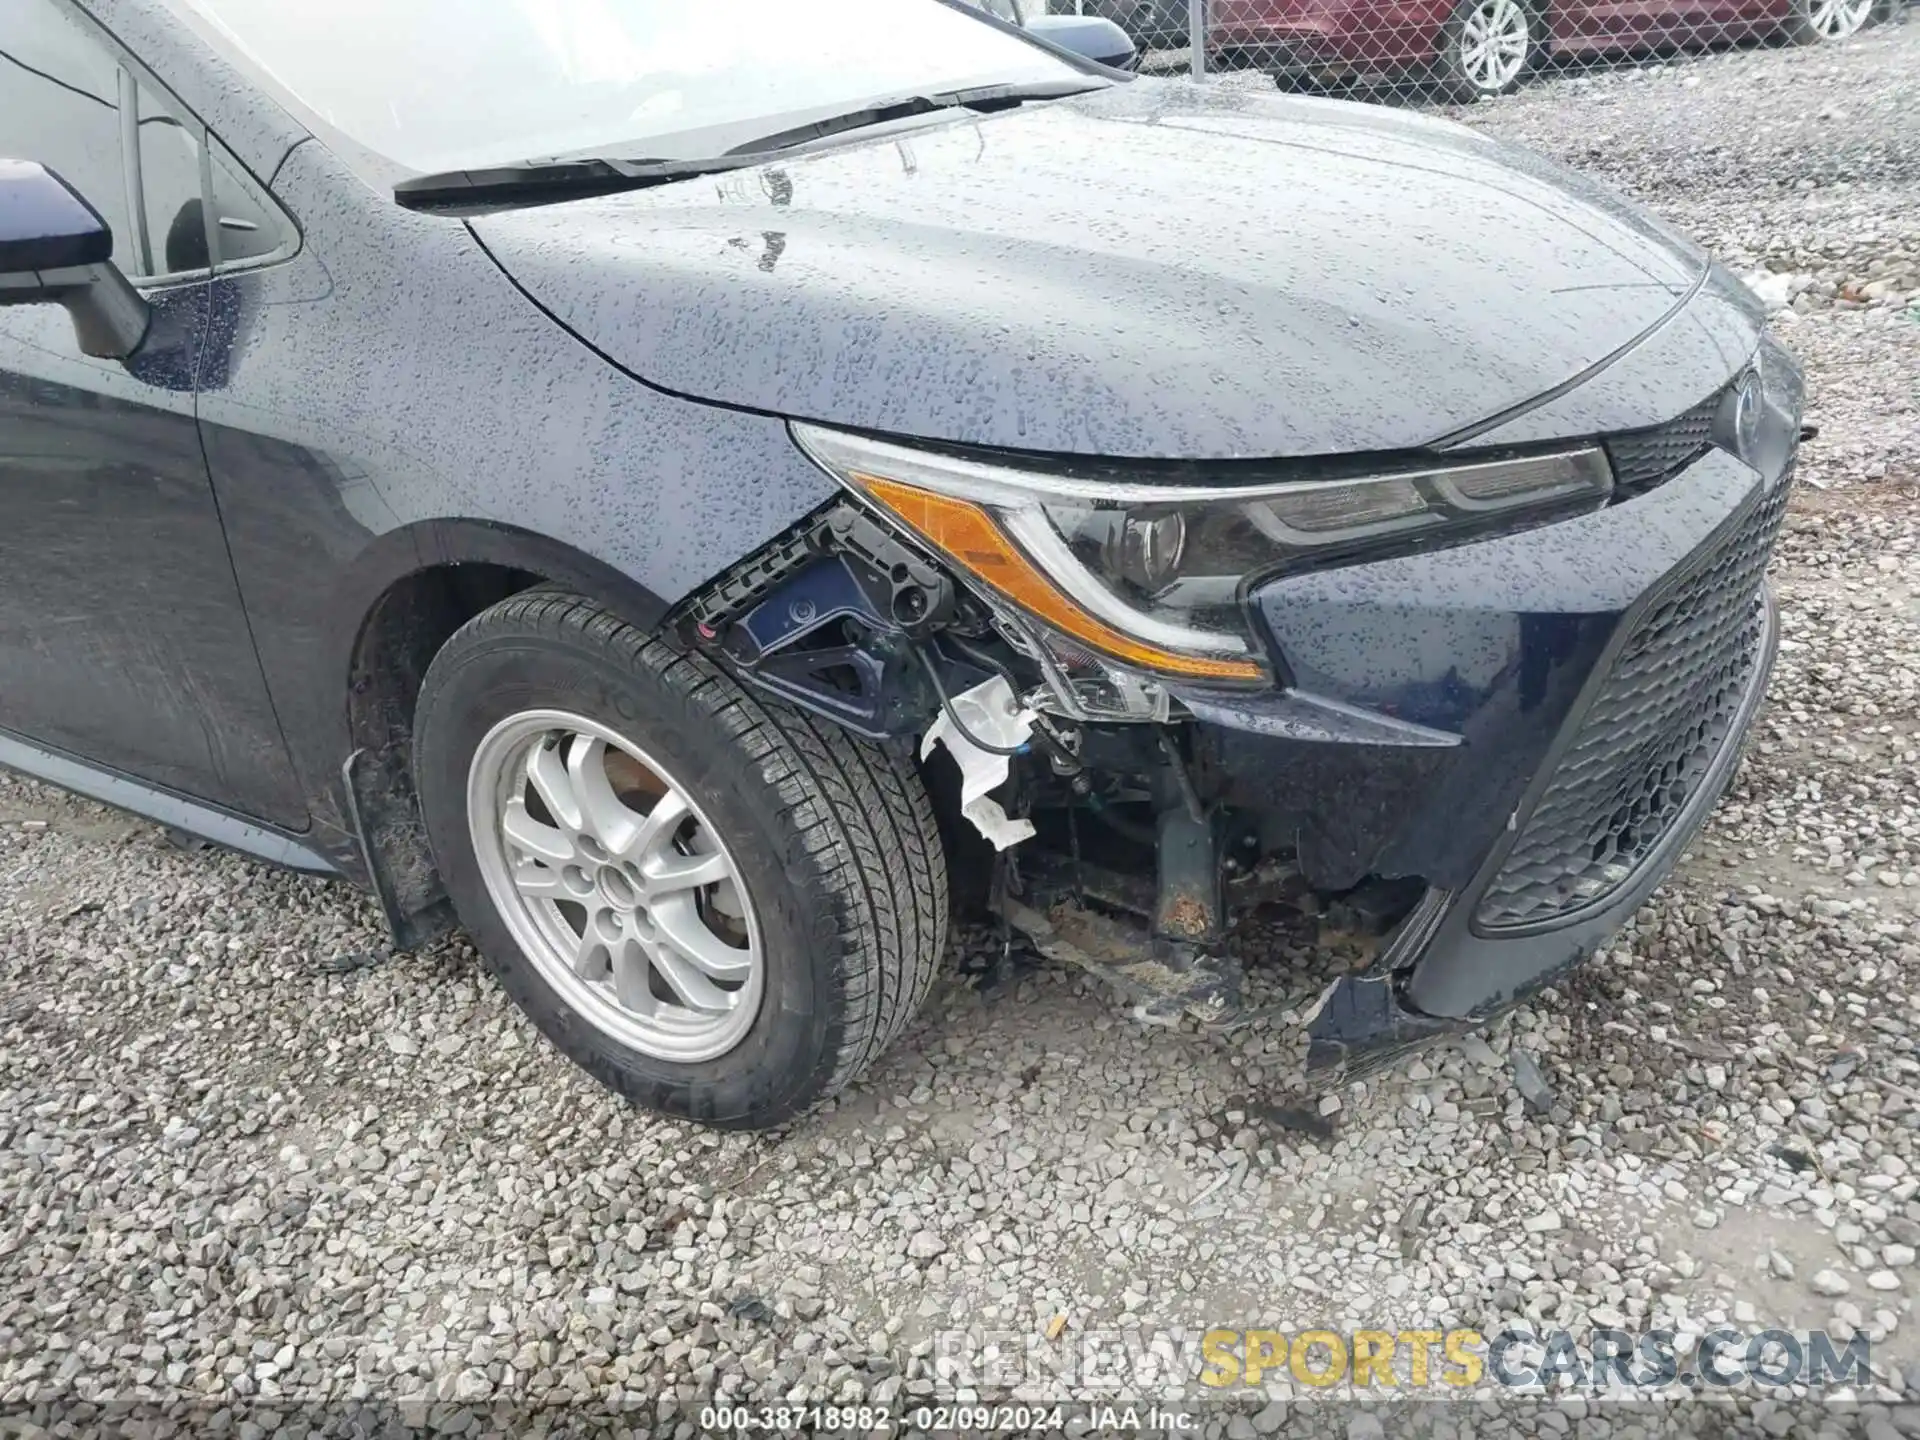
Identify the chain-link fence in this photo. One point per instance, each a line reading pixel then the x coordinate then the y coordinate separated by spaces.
pixel 1451 50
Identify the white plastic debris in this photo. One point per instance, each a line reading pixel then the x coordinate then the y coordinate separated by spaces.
pixel 989 711
pixel 1775 289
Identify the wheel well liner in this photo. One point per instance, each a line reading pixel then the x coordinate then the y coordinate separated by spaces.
pixel 426 582
pixel 402 633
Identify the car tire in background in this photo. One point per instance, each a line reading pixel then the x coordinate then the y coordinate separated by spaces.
pixel 1813 21
pixel 717 907
pixel 1164 25
pixel 1150 24
pixel 1487 47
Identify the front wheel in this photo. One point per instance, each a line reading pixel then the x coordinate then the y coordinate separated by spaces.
pixel 1486 47
pixel 720 909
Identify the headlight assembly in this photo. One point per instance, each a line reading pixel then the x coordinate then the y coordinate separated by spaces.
pixel 1151 575
pixel 1759 416
pixel 1736 426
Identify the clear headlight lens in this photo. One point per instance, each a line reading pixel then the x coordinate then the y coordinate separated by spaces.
pixel 1151 575
pixel 1736 426
pixel 1759 415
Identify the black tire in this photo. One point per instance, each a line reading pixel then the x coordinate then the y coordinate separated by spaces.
pixel 1150 24
pixel 1167 25
pixel 1242 57
pixel 1799 27
pixel 836 841
pixel 1451 76
pixel 1309 82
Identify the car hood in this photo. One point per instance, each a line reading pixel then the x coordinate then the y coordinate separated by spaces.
pixel 1159 270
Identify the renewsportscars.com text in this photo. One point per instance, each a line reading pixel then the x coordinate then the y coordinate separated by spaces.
pixel 1223 1361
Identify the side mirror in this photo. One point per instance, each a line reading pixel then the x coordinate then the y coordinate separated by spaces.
pixel 1089 36
pixel 55 249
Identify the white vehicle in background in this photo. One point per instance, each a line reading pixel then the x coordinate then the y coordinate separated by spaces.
pixel 1018 11
pixel 1094 35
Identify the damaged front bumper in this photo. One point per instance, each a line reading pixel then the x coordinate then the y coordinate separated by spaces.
pixel 1445 972
pixel 1532 729
pixel 1475 758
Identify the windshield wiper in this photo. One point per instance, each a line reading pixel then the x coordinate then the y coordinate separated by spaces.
pixel 986 98
pixel 540 179
pixel 585 175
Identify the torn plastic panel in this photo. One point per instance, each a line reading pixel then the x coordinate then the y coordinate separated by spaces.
pixel 844 620
pixel 826 618
pixel 1362 1022
pixel 990 712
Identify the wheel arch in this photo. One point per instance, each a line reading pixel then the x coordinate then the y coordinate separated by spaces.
pixel 407 595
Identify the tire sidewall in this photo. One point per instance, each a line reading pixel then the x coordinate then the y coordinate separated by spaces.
pixel 782 1060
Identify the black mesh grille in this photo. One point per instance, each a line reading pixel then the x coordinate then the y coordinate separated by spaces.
pixel 1664 712
pixel 1643 458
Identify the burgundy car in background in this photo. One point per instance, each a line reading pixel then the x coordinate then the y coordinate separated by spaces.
pixel 1469 48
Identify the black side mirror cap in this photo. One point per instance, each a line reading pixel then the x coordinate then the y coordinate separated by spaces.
pixel 45 224
pixel 55 249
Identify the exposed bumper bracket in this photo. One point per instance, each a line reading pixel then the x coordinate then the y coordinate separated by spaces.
pixel 1190 908
pixel 1361 1022
pixel 1162 982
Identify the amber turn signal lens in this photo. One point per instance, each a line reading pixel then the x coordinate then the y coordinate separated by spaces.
pixel 967 534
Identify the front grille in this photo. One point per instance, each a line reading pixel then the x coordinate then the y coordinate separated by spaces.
pixel 1643 458
pixel 1662 715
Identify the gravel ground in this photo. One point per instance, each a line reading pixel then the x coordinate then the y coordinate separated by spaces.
pixel 246 1159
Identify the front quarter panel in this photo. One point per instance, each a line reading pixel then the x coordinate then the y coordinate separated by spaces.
pixel 387 400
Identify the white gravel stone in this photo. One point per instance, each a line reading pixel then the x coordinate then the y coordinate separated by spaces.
pixel 1829 1282
pixel 1269 1419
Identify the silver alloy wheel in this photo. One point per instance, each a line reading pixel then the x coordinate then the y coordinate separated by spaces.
pixel 1494 42
pixel 637 917
pixel 1837 19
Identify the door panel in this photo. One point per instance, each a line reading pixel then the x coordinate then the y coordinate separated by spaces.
pixel 122 639
pixel 1605 25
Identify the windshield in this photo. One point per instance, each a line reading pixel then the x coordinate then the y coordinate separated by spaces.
pixel 463 84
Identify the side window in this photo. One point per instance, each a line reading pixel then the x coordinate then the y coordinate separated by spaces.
pixel 245 227
pixel 68 102
pixel 60 106
pixel 172 215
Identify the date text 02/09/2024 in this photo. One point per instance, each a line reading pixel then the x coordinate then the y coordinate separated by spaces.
pixel 939 1419
pixel 946 1419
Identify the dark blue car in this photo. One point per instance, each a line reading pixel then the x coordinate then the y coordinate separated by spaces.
pixel 692 492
